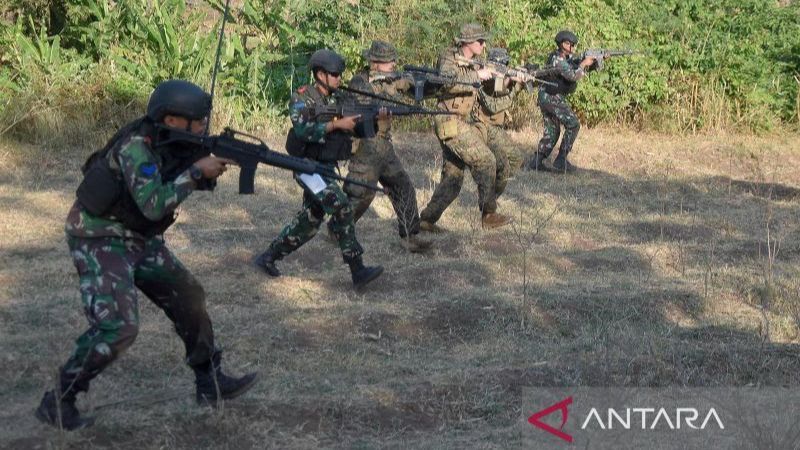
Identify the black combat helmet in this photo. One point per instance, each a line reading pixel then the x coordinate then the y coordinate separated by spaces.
pixel 327 60
pixel 499 55
pixel 179 98
pixel 566 35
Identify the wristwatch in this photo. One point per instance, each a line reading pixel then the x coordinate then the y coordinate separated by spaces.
pixel 196 173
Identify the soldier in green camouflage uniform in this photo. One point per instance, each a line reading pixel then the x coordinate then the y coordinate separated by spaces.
pixel 555 109
pixel 375 159
pixel 326 143
pixel 114 231
pixel 463 138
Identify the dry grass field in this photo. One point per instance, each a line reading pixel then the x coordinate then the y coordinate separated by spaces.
pixel 666 261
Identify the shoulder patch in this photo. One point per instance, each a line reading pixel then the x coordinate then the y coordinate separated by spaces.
pixel 148 169
pixel 302 90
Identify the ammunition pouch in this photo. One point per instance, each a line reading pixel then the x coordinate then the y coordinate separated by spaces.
pixel 446 127
pixel 461 104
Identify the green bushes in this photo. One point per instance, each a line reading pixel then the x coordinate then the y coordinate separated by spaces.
pixel 707 64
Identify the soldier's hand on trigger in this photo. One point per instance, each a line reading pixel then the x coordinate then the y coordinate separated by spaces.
pixel 485 74
pixel 384 113
pixel 345 123
pixel 587 62
pixel 212 166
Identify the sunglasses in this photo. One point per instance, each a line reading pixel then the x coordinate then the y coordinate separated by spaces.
pixel 481 41
pixel 335 74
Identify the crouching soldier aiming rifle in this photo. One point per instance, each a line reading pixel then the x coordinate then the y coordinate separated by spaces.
pixel 115 228
pixel 495 98
pixel 375 159
pixel 553 103
pixel 463 139
pixel 325 140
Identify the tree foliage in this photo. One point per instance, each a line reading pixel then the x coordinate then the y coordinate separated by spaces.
pixel 705 63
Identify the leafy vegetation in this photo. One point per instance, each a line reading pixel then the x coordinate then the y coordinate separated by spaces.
pixel 706 64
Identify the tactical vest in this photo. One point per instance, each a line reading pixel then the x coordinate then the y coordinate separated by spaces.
pixel 460 102
pixel 104 193
pixel 563 86
pixel 492 109
pixel 338 145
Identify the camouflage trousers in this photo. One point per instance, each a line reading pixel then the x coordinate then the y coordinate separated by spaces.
pixel 491 157
pixel 331 201
pixel 376 161
pixel 556 112
pixel 110 270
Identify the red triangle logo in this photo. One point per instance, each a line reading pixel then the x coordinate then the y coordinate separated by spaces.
pixel 560 406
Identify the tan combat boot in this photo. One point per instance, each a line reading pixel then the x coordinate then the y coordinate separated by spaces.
pixel 414 244
pixel 430 227
pixel 495 220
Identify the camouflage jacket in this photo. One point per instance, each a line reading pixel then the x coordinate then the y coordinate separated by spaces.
pixel 386 85
pixel 458 98
pixel 140 168
pixel 307 97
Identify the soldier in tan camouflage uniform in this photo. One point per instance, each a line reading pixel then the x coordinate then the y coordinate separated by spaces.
pixel 375 159
pixel 463 138
pixel 492 113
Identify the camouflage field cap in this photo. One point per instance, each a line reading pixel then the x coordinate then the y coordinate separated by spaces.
pixel 380 51
pixel 472 32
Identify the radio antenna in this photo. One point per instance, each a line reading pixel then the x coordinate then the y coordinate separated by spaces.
pixel 216 63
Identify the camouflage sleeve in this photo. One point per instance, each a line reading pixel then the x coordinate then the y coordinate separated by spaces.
pixel 568 71
pixel 361 83
pixel 450 68
pixel 140 169
pixel 305 129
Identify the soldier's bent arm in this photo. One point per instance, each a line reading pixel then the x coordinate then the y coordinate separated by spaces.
pixel 464 74
pixel 306 130
pixel 142 174
pixel 569 71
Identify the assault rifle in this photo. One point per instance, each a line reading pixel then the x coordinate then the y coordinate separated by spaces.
pixel 422 76
pixel 531 78
pixel 368 112
pixel 248 154
pixel 601 54
pixel 365 128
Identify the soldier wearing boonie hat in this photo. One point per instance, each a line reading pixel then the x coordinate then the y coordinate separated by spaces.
pixel 375 159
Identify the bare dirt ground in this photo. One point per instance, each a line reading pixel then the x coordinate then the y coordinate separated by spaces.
pixel 666 261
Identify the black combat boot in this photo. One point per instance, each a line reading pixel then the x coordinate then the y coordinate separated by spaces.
pixel 361 274
pixel 57 408
pixel 561 165
pixel 213 384
pixel 266 261
pixel 537 164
